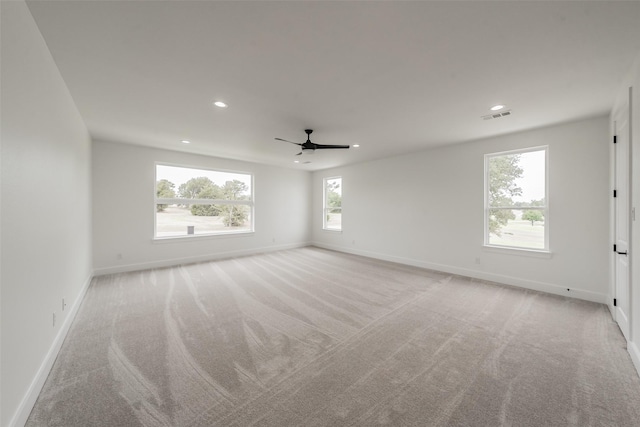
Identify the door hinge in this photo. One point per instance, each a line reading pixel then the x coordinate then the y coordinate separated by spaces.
pixel 615 139
pixel 615 302
pixel 615 193
pixel 615 248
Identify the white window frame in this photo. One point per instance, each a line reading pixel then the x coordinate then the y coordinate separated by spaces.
pixel 544 209
pixel 180 200
pixel 325 207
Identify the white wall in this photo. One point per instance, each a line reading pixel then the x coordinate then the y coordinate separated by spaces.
pixel 123 210
pixel 46 211
pixel 633 80
pixel 426 209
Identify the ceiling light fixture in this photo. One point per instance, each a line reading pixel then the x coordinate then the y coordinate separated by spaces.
pixel 220 104
pixel 184 141
pixel 296 161
pixel 497 107
pixel 497 115
pixel 356 145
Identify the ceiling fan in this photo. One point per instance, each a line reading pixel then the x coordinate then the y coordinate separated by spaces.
pixel 310 147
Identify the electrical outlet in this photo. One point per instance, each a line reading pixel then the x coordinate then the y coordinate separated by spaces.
pixel 478 260
pixel 119 256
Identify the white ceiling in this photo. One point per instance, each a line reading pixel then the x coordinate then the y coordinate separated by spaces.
pixel 394 77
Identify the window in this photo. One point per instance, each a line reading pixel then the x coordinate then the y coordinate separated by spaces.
pixel 332 206
pixel 195 202
pixel 516 209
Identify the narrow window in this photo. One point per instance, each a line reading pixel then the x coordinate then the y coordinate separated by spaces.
pixel 332 206
pixel 195 202
pixel 516 207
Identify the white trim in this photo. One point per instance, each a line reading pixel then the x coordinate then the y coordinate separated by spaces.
pixel 510 250
pixel 634 351
pixel 192 237
pixel 29 400
pixel 182 201
pixel 192 259
pixel 612 309
pixel 630 248
pixel 550 288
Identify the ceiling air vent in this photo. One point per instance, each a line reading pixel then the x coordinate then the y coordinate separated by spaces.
pixel 496 115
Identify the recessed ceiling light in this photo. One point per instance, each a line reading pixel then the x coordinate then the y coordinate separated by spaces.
pixel 497 107
pixel 184 141
pixel 296 161
pixel 356 145
pixel 220 104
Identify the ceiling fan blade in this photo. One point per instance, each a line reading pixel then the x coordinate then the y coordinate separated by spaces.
pixel 290 142
pixel 322 146
pixel 299 154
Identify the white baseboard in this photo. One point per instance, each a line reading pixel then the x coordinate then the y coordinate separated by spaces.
pixel 634 351
pixel 550 288
pixel 612 309
pixel 192 259
pixel 26 405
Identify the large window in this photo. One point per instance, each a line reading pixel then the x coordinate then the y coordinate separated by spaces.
pixel 516 209
pixel 332 206
pixel 196 202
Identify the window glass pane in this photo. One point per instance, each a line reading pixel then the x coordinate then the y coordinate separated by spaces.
pixel 334 193
pixel 532 181
pixel 188 183
pixel 517 179
pixel 179 220
pixel 516 227
pixel 333 203
pixel 186 218
pixel 503 173
pixel 333 220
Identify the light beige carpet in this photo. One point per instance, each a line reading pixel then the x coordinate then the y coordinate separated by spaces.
pixel 309 337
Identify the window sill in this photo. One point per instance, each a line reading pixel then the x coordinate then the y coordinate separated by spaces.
pixel 331 230
pixel 534 253
pixel 196 237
